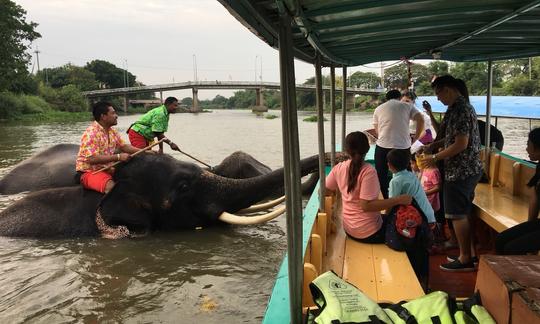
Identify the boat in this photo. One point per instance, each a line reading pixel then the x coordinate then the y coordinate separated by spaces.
pixel 334 33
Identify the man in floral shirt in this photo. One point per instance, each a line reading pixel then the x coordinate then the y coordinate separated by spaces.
pixel 153 124
pixel 462 166
pixel 99 146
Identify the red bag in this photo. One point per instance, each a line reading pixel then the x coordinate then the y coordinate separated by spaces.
pixel 408 219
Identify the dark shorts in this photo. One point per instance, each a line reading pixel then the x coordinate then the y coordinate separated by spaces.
pixel 458 197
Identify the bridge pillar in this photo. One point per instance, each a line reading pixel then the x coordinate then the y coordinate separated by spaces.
pixel 161 96
pixel 259 101
pixel 350 101
pixel 126 102
pixel 195 107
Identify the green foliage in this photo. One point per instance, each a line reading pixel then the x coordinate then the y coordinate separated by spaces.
pixel 367 80
pixel 313 118
pixel 522 86
pixel 242 99
pixel 13 106
pixel 71 99
pixel 187 101
pixel 475 76
pixel 110 75
pixel 69 74
pixel 396 77
pixel 219 101
pixel 437 68
pixel 15 36
pixel 270 116
pixel 424 89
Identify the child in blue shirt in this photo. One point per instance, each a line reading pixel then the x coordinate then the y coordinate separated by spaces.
pixel 406 182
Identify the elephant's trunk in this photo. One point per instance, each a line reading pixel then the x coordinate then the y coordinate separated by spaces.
pixel 238 194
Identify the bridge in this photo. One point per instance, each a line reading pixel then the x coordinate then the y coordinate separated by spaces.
pixel 195 86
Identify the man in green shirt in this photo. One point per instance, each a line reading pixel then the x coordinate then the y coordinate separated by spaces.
pixel 153 124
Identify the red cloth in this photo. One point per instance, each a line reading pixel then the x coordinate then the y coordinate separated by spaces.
pixel 407 220
pixel 137 140
pixel 96 181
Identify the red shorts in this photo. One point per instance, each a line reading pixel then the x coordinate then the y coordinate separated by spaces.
pixel 96 181
pixel 137 140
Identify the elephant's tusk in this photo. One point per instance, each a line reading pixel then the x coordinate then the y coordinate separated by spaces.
pixel 250 220
pixel 264 206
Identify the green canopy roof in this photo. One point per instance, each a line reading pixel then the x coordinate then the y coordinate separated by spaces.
pixel 354 32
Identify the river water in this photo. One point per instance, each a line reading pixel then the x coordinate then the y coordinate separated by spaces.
pixel 213 275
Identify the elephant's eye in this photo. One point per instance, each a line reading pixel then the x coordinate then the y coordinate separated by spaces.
pixel 182 187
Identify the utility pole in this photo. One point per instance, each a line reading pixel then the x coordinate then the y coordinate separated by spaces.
pixel 126 82
pixel 37 51
pixel 382 76
pixel 256 67
pixel 530 68
pixel 194 67
pixel 261 69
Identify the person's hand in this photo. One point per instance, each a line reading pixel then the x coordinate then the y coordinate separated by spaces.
pixel 174 147
pixel 427 161
pixel 124 157
pixel 426 106
pixel 404 199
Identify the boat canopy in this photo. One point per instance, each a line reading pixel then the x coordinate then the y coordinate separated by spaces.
pixel 355 32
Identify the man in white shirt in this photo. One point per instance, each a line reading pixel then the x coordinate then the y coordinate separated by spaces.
pixel 391 124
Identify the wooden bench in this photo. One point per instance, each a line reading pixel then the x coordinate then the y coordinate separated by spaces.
pixel 381 273
pixel 504 201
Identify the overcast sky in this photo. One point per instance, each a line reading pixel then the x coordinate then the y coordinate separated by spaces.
pixel 158 39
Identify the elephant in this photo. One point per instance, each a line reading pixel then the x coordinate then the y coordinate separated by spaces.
pixel 51 168
pixel 55 168
pixel 152 192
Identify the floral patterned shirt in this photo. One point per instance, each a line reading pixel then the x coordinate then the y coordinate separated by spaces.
pixel 460 119
pixel 95 141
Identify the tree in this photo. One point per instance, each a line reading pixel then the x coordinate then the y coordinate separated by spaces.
pixel 367 80
pixel 187 101
pixel 15 36
pixel 475 76
pixel 437 68
pixel 220 101
pixel 69 74
pixel 396 77
pixel 521 86
pixel 110 75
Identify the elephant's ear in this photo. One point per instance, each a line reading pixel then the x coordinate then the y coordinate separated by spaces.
pixel 122 206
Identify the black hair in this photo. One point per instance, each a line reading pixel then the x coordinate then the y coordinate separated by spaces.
pixel 461 86
pixel 534 139
pixel 393 94
pixel 356 145
pixel 100 108
pixel 399 159
pixel 170 100
pixel 413 157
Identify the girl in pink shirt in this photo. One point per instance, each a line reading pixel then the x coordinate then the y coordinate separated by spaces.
pixel 430 180
pixel 359 187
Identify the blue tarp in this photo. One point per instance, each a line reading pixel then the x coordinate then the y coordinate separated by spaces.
pixel 508 106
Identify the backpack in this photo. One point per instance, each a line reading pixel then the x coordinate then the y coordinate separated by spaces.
pixel 407 228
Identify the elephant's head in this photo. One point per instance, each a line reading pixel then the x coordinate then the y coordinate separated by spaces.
pixel 160 192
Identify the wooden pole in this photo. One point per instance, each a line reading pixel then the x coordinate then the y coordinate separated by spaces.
pixel 132 155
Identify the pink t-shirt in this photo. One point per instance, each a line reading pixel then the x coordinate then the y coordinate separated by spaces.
pixel 356 222
pixel 430 179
